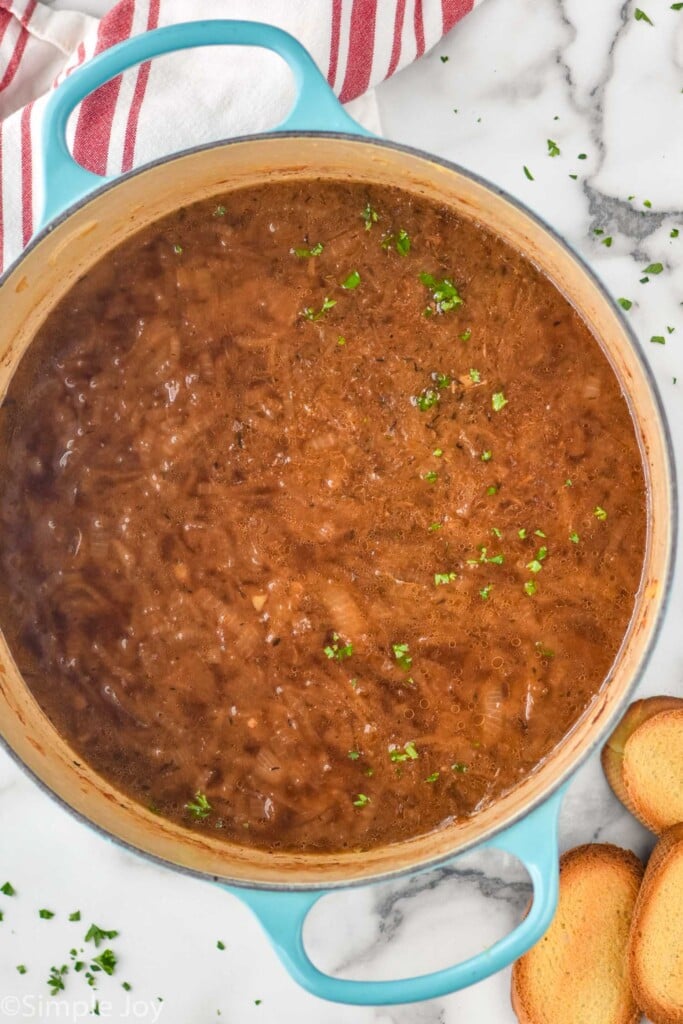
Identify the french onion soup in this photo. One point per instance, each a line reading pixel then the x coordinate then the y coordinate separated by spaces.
pixel 323 516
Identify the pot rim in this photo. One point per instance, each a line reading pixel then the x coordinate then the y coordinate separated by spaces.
pixel 561 780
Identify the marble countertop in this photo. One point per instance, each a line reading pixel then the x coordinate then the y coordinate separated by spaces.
pixel 599 83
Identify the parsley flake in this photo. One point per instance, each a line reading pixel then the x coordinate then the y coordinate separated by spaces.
pixel 370 216
pixel 475 376
pixel 437 453
pixel 401 242
pixel 625 303
pixel 106 961
pixel 674 233
pixel 553 148
pixel 306 254
pixel 642 16
pixel 534 565
pixel 433 777
pixel 46 915
pixel 98 935
pixel 337 651
pixel 402 656
pixel 427 399
pixel 76 916
pixel 311 314
pixel 353 755
pixel 433 527
pixel 177 249
pixel 658 339
pixel 486 456
pixel 220 211
pixel 653 268
pixel 521 533
pixel 220 945
pixel 498 401
pixel 485 592
pixel 352 281
pixel 409 753
pixel 22 968
pixel 56 979
pixel 8 889
pixel 530 588
pixel 460 767
pixel 444 293
pixel 492 489
pixel 528 173
pixel 466 334
pixel 199 807
pixel 599 513
pixel 431 477
pixel 361 800
pixel 442 578
pixel 607 241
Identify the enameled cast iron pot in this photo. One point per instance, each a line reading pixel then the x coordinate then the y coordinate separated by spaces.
pixel 86 216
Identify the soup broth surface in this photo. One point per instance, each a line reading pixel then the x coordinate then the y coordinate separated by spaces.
pixel 322 516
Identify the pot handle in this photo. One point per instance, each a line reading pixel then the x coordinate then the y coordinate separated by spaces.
pixel 533 840
pixel 316 108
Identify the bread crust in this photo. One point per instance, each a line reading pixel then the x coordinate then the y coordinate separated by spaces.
pixel 668 849
pixel 525 1001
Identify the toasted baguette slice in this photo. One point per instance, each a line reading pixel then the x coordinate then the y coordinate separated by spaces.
pixel 643 761
pixel 577 973
pixel 655 951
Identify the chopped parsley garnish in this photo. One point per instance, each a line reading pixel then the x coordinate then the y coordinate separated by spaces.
pixel 433 777
pixel 574 537
pixel 466 334
pixel 98 935
pixel 177 249
pixel 487 455
pixel 677 7
pixel 459 766
pixel 431 477
pixel 642 16
pixel 670 330
pixel 106 962
pixel 8 889
pixel 534 565
pixel 643 280
pixel 573 176
pixel 498 401
pixel 336 650
pixel 674 233
pixel 539 533
pixel 433 527
pixel 492 489
pixel 437 453
pixel 530 588
pixel 56 979
pixel 199 807
pixel 220 945
pixel 528 173
pixel 484 559
pixel 370 216
pixel 625 303
pixel 443 58
pixel 485 592
pixel 401 242
pixel 475 376
pixel 521 534
pixel 352 281
pixel 76 916
pixel 496 532
pixel 312 314
pixel 583 156
pixel 46 915
pixel 305 254
pixel 220 211
pixel 341 340
pixel 607 241
pixel 654 268
pixel 22 968
pixel 427 399
pixel 442 578
pixel 402 656
pixel 361 800
pixel 658 339
pixel 442 380
pixel 598 231
pixel 542 553
pixel 568 483
pixel 126 986
pixel 545 652
pixel 444 293
pixel 553 148
pixel 599 513
pixel 409 753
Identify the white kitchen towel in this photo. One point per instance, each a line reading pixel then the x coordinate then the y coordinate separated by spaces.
pixel 187 98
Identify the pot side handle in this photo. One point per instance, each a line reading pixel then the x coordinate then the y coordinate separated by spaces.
pixel 533 840
pixel 316 108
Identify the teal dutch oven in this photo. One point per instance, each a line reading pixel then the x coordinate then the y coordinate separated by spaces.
pixel 84 217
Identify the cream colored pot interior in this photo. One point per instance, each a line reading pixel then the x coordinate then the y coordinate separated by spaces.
pixel 58 259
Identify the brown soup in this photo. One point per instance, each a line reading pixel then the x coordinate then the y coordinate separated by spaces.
pixel 322 513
